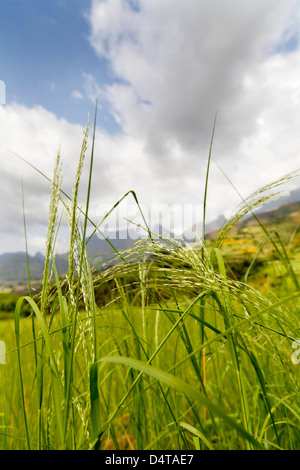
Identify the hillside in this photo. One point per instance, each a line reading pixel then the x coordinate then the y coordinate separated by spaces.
pixel 247 238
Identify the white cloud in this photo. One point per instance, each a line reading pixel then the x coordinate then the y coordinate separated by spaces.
pixel 91 88
pixel 77 95
pixel 36 134
pixel 179 62
pixel 176 63
pixel 187 59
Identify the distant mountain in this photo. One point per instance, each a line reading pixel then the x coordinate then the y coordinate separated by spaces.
pixel 13 266
pixel 294 196
pixel 211 228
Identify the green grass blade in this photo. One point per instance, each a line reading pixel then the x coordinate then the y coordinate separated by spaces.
pixel 28 270
pixel 82 254
pixel 95 404
pixel 53 364
pixel 17 336
pixel 197 433
pixel 184 388
pixel 233 343
pixel 288 263
pixel 63 308
pixel 206 186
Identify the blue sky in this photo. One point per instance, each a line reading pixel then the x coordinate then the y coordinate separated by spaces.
pixel 44 54
pixel 161 69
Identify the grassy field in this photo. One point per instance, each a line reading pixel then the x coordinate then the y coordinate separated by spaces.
pixel 186 349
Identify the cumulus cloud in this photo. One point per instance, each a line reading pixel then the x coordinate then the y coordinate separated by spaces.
pixel 179 62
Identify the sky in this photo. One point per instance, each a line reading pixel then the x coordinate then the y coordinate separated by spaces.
pixel 161 71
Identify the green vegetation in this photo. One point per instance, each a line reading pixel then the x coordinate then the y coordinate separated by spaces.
pixel 168 349
pixel 8 304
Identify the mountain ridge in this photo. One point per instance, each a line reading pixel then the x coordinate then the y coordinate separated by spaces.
pixel 13 266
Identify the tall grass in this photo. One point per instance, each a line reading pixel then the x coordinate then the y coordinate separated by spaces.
pixel 162 350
